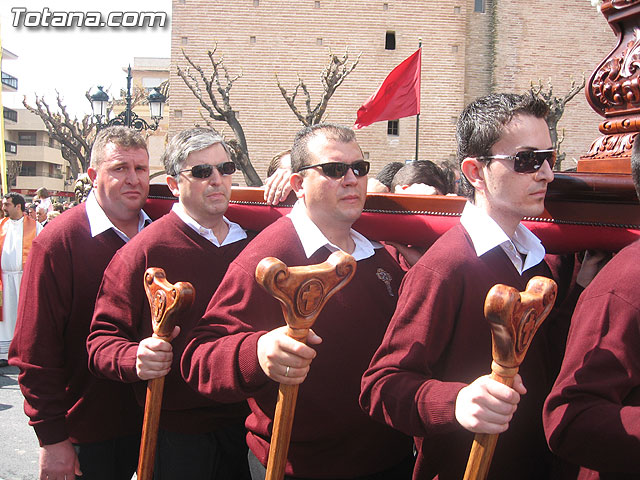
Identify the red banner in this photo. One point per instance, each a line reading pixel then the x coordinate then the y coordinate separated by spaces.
pixel 397 97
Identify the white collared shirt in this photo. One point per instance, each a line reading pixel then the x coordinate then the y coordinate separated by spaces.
pixel 236 232
pixel 313 239
pixel 99 222
pixel 486 234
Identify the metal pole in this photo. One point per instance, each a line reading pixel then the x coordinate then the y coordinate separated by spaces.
pixel 417 134
pixel 418 115
pixel 128 111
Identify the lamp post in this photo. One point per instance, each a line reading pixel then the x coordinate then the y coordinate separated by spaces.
pixel 128 118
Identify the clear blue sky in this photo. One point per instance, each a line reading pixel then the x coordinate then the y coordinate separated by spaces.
pixel 73 60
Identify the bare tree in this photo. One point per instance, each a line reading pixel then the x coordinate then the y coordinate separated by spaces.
pixel 332 77
pixel 13 170
pixel 556 109
pixel 74 136
pixel 214 98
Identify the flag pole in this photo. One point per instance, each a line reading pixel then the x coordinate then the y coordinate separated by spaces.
pixel 418 114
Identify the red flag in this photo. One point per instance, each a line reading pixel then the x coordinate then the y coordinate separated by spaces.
pixel 397 97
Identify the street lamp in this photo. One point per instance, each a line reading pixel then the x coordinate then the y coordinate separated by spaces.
pixel 128 118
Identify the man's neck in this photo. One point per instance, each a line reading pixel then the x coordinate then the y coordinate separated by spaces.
pixel 340 236
pixel 215 223
pixel 220 229
pixel 508 225
pixel 128 227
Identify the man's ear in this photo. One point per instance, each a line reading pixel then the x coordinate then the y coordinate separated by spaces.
pixel 173 185
pixel 296 184
pixel 93 174
pixel 473 170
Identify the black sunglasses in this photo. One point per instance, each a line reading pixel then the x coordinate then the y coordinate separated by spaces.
pixel 340 169
pixel 206 170
pixel 528 161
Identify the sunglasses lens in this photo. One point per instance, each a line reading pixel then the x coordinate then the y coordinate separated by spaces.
pixel 202 171
pixel 227 168
pixel 334 169
pixel 339 169
pixel 360 169
pixel 531 161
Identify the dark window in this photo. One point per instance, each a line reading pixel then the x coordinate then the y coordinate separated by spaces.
pixel 27 138
pixel 393 127
pixel 28 169
pixel 478 6
pixel 390 41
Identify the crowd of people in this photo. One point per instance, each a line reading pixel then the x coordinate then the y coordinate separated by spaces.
pixel 392 376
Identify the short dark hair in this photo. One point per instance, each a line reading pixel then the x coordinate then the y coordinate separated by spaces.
pixel 482 122
pixel 422 171
pixel 123 137
pixel 300 155
pixel 16 199
pixel 386 173
pixel 275 162
pixel 189 141
pixel 635 164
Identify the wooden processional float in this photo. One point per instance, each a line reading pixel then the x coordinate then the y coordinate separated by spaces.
pixel 582 211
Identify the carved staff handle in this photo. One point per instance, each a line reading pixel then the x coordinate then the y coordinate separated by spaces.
pixel 302 292
pixel 514 318
pixel 166 301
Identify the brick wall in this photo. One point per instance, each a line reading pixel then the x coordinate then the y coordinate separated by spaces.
pixel 464 54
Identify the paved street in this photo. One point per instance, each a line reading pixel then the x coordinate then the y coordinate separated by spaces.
pixel 18 443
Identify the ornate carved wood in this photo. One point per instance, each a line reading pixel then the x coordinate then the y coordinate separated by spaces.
pixel 302 292
pixel 614 92
pixel 166 301
pixel 583 211
pixel 514 318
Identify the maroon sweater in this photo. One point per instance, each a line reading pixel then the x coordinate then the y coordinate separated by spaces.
pixel 437 343
pixel 122 317
pixel 60 282
pixel 331 437
pixel 592 416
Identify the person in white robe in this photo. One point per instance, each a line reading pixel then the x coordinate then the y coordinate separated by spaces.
pixel 14 228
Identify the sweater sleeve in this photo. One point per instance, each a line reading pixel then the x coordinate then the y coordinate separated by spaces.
pixel 220 360
pixel 37 348
pixel 596 394
pixel 400 387
pixel 117 321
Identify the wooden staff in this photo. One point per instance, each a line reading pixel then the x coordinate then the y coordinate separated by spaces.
pixel 514 318
pixel 166 302
pixel 302 292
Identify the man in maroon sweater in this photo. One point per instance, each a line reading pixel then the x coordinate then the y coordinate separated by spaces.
pixel 592 415
pixel 428 378
pixel 82 423
pixel 198 439
pixel 240 351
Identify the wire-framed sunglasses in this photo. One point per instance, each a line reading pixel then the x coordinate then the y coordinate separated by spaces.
pixel 528 161
pixel 206 170
pixel 340 169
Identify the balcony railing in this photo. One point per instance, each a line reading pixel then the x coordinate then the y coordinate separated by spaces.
pixel 32 173
pixel 10 114
pixel 9 80
pixel 10 147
